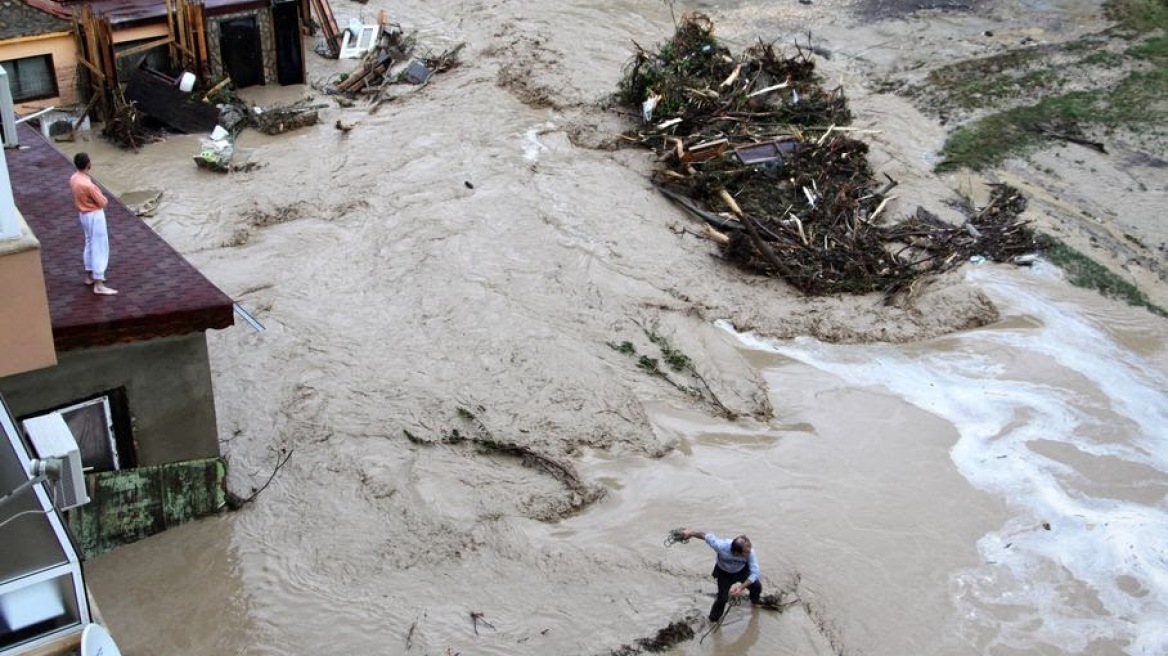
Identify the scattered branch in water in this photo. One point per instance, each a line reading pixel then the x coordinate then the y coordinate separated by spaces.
pixel 476 617
pixel 235 503
pixel 678 362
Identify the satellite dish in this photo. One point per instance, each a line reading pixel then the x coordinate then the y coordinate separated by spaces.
pixel 96 641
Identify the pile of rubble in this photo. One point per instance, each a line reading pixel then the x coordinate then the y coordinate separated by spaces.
pixel 755 147
pixel 391 60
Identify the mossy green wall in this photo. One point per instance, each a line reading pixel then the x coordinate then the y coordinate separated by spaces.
pixel 131 504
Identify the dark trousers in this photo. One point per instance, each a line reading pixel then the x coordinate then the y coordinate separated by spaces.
pixel 727 579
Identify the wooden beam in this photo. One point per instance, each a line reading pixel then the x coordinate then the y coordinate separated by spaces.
pixel 328 25
pixel 91 68
pixel 200 16
pixel 144 47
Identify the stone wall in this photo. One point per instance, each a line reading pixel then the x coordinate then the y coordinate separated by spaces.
pixel 267 41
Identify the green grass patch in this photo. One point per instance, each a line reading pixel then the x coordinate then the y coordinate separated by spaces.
pixel 978 83
pixel 1138 15
pixel 1084 272
pixel 1153 50
pixel 1138 100
pixel 1103 59
pixel 992 139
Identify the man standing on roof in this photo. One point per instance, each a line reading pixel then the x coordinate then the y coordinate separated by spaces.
pixel 736 564
pixel 91 204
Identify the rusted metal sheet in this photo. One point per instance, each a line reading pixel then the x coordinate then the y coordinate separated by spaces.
pixel 132 504
pixel 125 12
pixel 704 151
pixel 768 151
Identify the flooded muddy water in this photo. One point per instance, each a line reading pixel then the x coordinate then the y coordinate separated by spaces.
pixel 997 491
pixel 462 262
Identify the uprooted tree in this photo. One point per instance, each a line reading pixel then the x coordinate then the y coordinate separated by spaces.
pixel 758 149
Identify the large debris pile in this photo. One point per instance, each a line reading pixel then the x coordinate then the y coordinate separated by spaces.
pixel 127 127
pixel 755 146
pixel 393 59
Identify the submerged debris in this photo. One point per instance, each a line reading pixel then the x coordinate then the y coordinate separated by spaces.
pixel 127 127
pixel 755 147
pixel 285 118
pixel 667 637
pixel 392 60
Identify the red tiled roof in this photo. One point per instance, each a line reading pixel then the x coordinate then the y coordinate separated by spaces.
pixel 161 293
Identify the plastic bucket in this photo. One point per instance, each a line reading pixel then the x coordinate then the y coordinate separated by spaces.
pixel 186 82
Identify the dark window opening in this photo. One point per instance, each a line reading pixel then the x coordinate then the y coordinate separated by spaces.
pixel 31 78
pixel 155 59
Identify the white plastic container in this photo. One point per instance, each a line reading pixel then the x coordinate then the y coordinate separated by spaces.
pixel 186 82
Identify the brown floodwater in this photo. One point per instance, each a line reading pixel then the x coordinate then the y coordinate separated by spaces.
pixel 461 250
pixel 899 524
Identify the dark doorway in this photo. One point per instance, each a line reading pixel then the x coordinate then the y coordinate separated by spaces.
pixel 239 42
pixel 289 47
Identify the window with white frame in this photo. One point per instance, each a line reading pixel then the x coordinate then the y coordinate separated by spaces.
pixel 31 78
pixel 94 423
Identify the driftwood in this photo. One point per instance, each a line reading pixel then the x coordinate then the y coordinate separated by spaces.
pixel 235 502
pixel 755 137
pixel 219 86
pixel 1070 136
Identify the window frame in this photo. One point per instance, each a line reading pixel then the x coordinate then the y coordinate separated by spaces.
pixel 119 425
pixel 10 66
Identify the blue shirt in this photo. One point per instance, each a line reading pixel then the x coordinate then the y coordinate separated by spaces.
pixel 729 562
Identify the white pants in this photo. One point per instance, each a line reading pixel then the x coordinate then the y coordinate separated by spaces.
pixel 96 254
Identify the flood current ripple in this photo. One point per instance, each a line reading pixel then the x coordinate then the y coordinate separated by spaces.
pixel 1064 423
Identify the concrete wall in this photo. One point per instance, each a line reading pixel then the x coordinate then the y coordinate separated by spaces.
pixel 26 337
pixel 167 383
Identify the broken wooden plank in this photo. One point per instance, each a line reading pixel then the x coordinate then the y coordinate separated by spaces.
pixel 328 25
pixel 144 47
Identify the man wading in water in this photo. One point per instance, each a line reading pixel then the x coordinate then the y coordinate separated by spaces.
pixel 737 563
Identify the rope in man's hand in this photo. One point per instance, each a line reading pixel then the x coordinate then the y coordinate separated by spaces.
pixel 675 536
pixel 734 601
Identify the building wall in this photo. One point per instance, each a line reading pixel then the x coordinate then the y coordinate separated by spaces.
pixel 167 383
pixel 60 46
pixel 26 336
pixel 267 42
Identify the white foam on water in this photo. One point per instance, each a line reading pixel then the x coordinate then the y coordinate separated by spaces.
pixel 1100 571
pixel 532 146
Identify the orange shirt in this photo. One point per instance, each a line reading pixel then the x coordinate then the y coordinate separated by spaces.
pixel 86 196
